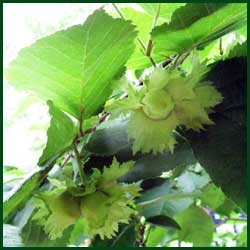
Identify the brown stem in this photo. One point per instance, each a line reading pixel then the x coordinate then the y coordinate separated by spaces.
pixel 81 121
pixel 150 41
pixel 220 47
pixel 92 129
pixel 66 159
pixel 101 119
pixel 140 241
pixel 138 39
pixel 149 47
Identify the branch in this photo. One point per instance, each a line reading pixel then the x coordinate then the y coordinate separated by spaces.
pixel 92 129
pixel 81 121
pixel 138 39
pixel 140 241
pixel 101 119
pixel 66 159
pixel 179 59
pixel 77 140
pixel 220 47
pixel 150 41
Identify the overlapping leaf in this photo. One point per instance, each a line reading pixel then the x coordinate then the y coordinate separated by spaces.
pixel 166 9
pixel 239 50
pixel 166 207
pixel 74 67
pixel 221 150
pixel 196 227
pixel 197 24
pixel 60 133
pixel 213 197
pixel 33 235
pixel 147 165
pixel 23 191
pixel 143 22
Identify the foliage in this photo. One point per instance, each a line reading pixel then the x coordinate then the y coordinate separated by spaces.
pixel 200 24
pixel 59 124
pixel 155 159
pixel 63 68
pixel 221 155
pixel 185 101
pixel 192 230
pixel 101 201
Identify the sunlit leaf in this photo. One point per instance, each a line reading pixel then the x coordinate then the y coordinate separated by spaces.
pixel 196 227
pixel 60 134
pixel 74 67
pixel 196 25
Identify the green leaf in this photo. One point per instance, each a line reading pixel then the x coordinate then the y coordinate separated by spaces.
pixel 77 235
pixel 163 207
pixel 172 197
pixel 239 50
pixel 143 22
pixel 60 134
pixel 158 236
pixel 230 78
pixel 11 236
pixel 102 143
pixel 149 165
pixel 221 149
pixel 126 236
pixel 212 196
pixel 196 227
pixel 33 235
pixel 146 166
pixel 74 67
pixel 196 25
pixel 163 221
pixel 166 9
pixel 243 238
pixel 226 208
pixel 22 192
pixel 190 182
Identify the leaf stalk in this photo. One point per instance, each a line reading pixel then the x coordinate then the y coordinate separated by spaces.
pixel 138 39
pixel 169 197
pixel 79 164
